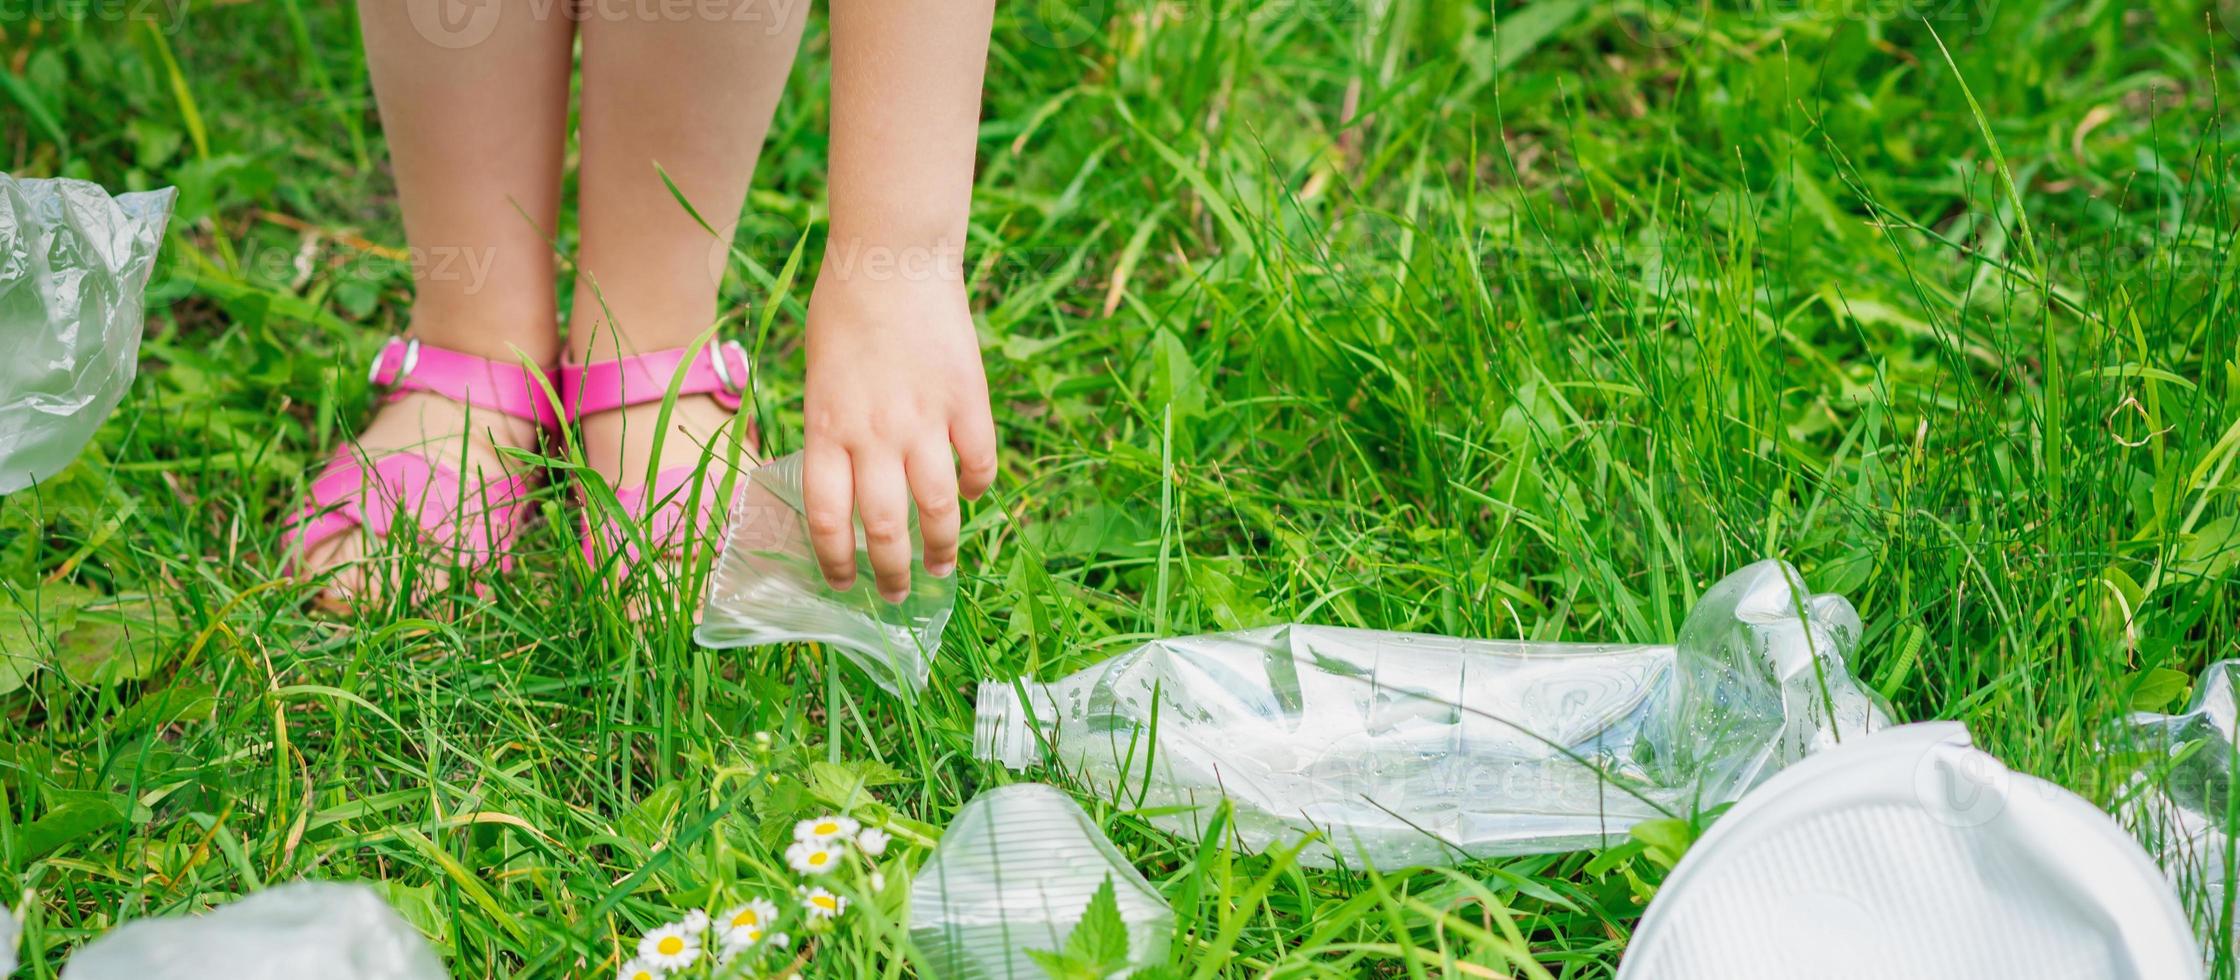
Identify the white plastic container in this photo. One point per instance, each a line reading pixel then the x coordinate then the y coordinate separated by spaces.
pixel 326 930
pixel 1013 873
pixel 767 588
pixel 1911 854
pixel 1402 749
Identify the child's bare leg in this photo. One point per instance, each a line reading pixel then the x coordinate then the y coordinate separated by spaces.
pixel 474 101
pixel 690 88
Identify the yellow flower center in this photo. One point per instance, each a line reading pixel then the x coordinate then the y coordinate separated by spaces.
pixel 669 946
pixel 746 917
pixel 754 935
pixel 827 828
pixel 818 858
pixel 825 902
pixel 642 975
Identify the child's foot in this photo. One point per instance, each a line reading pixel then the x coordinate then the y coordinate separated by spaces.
pixel 620 445
pixel 618 405
pixel 436 429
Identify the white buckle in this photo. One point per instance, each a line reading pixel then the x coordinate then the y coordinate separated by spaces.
pixel 411 360
pixel 723 365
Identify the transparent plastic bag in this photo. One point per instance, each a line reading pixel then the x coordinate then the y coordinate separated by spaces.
pixel 1013 874
pixel 73 263
pixel 2180 801
pixel 1404 749
pixel 767 589
pixel 327 930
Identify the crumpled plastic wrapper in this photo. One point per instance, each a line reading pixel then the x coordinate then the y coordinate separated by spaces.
pixel 2180 801
pixel 1400 749
pixel 73 263
pixel 767 588
pixel 326 930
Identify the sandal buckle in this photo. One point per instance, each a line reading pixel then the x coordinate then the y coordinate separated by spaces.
pixel 404 369
pixel 719 359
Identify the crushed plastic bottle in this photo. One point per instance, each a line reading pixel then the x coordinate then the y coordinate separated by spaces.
pixel 327 930
pixel 1013 874
pixel 73 263
pixel 767 588
pixel 1403 749
pixel 2180 800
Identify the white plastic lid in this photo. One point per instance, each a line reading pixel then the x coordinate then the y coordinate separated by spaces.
pixel 1909 853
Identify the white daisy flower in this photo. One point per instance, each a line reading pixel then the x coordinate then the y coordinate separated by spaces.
pixel 873 841
pixel 824 829
pixel 669 948
pixel 638 970
pixel 757 913
pixel 696 921
pixel 878 882
pixel 822 904
pixel 779 940
pixel 812 858
pixel 740 939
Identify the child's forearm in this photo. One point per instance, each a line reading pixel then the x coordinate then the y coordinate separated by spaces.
pixel 906 77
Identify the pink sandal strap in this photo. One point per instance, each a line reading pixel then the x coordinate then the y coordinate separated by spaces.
pixel 666 526
pixel 405 364
pixel 352 493
pixel 718 369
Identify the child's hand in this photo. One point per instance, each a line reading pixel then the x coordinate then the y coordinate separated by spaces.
pixel 894 383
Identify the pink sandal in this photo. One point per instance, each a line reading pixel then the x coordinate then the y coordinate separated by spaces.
pixel 406 484
pixel 718 370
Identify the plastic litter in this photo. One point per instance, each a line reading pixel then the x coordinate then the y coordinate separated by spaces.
pixel 1014 872
pixel 1405 749
pixel 1912 854
pixel 73 263
pixel 318 929
pixel 767 589
pixel 11 933
pixel 2180 801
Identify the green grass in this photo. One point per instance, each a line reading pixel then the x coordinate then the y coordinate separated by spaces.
pixel 1373 315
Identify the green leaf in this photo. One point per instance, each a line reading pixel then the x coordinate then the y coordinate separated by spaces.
pixel 848 784
pixel 648 822
pixel 1100 939
pixel 1665 840
pixel 72 816
pixel 2157 689
pixel 33 622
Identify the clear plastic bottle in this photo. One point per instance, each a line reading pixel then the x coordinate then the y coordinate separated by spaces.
pixel 767 588
pixel 1014 873
pixel 1402 749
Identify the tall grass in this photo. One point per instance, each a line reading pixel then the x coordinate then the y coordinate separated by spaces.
pixel 1523 321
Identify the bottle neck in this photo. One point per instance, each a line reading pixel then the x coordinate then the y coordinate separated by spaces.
pixel 1001 731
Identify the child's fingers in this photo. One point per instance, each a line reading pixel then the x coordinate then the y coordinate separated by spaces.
pixel 933 481
pixel 827 498
pixel 975 439
pixel 883 500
